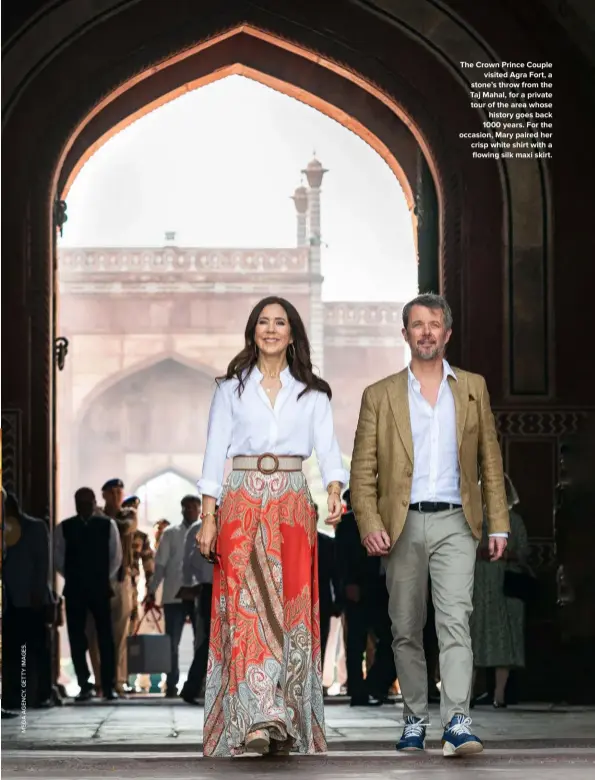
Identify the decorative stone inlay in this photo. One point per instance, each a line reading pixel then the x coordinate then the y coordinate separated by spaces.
pixel 539 423
pixel 166 260
pixel 11 450
pixel 367 314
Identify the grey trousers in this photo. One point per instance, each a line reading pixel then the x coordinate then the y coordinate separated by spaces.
pixel 441 543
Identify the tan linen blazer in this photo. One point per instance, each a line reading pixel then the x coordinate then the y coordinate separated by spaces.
pixel 382 463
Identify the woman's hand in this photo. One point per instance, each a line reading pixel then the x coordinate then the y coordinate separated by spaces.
pixel 206 538
pixel 335 509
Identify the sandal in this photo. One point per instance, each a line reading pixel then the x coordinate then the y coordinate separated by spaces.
pixel 258 741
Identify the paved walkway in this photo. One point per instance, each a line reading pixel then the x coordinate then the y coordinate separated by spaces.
pixel 577 764
pixel 164 726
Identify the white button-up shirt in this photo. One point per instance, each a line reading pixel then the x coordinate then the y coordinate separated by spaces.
pixel 436 473
pixel 250 425
pixel 169 560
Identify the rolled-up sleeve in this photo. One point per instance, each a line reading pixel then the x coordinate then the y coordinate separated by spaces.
pixel 218 441
pixel 326 445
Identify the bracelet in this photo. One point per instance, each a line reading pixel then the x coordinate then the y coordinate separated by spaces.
pixel 208 514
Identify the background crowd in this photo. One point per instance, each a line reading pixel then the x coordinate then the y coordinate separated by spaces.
pixel 107 563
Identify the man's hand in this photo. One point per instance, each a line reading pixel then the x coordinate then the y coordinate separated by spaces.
pixel 377 543
pixel 497 547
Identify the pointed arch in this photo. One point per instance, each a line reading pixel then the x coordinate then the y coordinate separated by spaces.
pixel 134 368
pixel 234 53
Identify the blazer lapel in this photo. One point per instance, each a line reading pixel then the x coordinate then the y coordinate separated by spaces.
pixel 460 392
pixel 399 404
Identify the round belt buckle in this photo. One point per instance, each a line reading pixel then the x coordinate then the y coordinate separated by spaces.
pixel 264 470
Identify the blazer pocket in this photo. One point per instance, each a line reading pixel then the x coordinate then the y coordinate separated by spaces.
pixel 472 422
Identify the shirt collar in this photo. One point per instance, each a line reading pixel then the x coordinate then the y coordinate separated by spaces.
pixel 446 372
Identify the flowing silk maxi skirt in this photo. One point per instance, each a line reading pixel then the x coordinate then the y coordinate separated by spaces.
pixel 265 668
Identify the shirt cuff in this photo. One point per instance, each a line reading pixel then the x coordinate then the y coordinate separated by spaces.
pixel 335 475
pixel 501 535
pixel 207 487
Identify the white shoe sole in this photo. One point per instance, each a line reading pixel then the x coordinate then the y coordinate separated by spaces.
pixel 466 749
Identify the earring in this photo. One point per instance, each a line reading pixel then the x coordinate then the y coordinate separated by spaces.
pixel 291 351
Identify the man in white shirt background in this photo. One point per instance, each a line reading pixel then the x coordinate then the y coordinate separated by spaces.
pixel 414 485
pixel 168 569
pixel 197 576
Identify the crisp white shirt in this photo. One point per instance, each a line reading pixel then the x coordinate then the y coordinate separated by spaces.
pixel 436 472
pixel 169 560
pixel 250 425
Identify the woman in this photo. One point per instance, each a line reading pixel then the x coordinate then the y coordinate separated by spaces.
pixel 264 677
pixel 498 622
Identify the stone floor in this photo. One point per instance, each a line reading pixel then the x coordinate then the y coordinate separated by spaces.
pixel 551 764
pixel 175 727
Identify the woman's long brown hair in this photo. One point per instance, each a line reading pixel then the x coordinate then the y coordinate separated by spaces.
pixel 300 363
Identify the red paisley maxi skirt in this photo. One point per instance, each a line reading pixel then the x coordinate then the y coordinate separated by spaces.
pixel 264 669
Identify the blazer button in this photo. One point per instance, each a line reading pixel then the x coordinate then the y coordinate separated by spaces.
pixel 405 502
pixel 408 473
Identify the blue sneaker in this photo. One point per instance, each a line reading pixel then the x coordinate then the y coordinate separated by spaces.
pixel 458 740
pixel 413 736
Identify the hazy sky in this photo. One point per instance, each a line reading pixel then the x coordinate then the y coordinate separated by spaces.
pixel 218 166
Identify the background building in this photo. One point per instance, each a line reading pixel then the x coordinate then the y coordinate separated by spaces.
pixel 150 328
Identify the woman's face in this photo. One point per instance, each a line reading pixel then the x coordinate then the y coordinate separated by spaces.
pixel 273 333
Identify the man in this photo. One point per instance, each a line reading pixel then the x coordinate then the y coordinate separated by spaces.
pixel 88 554
pixel 121 601
pixel 197 578
pixel 365 599
pixel 27 600
pixel 141 554
pixel 328 586
pixel 113 496
pixel 168 568
pixel 414 486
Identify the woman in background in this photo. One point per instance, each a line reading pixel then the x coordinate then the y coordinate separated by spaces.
pixel 498 622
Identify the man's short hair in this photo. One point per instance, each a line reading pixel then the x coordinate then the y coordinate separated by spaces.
pixel 85 492
pixel 191 499
pixel 429 301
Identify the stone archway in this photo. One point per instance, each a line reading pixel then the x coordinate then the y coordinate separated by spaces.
pixel 145 423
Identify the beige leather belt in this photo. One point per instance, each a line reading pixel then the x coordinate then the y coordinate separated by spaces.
pixel 267 463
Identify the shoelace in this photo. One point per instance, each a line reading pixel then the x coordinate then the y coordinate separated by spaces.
pixel 461 727
pixel 413 729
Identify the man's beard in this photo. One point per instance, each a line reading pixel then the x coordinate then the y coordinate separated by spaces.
pixel 437 351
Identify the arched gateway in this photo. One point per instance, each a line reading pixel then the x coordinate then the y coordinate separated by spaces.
pixel 394 68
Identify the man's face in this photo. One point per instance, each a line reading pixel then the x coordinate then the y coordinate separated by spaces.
pixel 114 496
pixel 190 511
pixel 425 333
